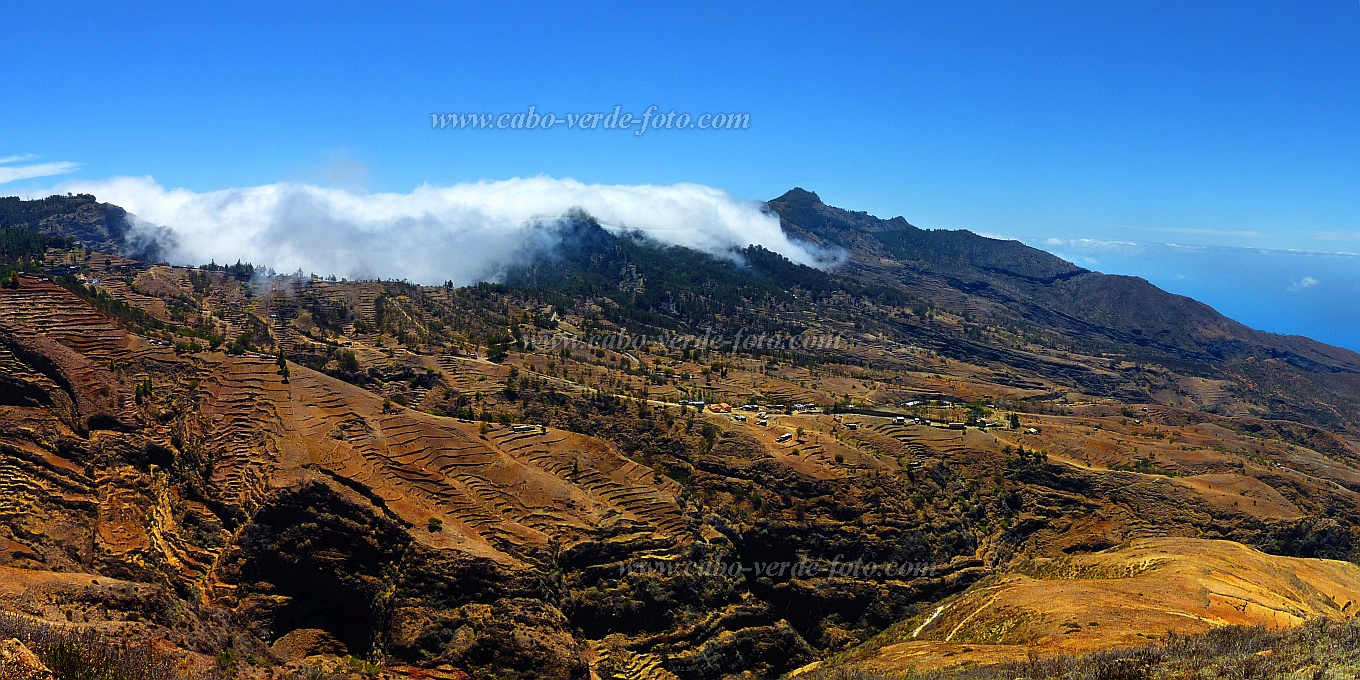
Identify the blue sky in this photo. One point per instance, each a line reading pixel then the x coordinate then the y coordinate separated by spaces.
pixel 1230 124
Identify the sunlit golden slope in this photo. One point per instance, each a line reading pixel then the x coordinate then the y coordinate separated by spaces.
pixel 1119 597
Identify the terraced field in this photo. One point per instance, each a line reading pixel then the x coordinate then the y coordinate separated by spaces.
pixel 501 492
pixel 1124 597
pixel 48 310
pixel 621 664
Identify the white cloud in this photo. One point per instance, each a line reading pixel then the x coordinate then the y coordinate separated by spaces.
pixel 464 233
pixel 1209 232
pixel 13 173
pixel 1337 235
pixel 1301 284
pixel 1074 258
pixel 1091 245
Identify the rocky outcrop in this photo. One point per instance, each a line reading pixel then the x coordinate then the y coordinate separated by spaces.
pixel 18 663
pixel 320 567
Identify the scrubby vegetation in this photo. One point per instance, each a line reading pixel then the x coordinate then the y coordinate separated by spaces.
pixel 1319 649
pixel 73 653
pixel 82 654
pixel 133 317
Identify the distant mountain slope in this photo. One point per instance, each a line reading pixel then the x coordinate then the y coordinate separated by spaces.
pixel 806 216
pixel 675 288
pixel 1123 308
pixel 1004 282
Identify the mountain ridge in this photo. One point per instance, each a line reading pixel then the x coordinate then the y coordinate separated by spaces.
pixel 795 207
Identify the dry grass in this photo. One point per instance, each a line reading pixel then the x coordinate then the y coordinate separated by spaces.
pixel 83 654
pixel 74 653
pixel 1318 650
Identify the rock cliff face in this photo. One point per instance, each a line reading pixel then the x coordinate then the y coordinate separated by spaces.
pixel 318 558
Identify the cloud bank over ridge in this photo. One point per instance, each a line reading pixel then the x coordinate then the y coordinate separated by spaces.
pixel 465 232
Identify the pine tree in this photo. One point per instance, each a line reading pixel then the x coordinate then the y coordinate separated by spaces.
pixel 143 390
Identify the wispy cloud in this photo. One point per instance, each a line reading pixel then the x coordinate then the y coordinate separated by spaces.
pixel 1266 251
pixel 1337 235
pixel 12 173
pixel 1209 232
pixel 1301 284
